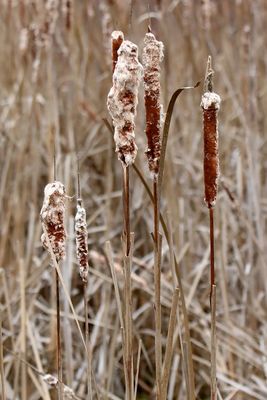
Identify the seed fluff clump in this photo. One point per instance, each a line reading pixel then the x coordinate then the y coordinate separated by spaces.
pixel 53 218
pixel 123 99
pixel 81 240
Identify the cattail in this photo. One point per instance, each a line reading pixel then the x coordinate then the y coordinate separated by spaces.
pixel 210 104
pixel 53 217
pixel 53 381
pixel 117 38
pixel 152 57
pixel 81 240
pixel 122 101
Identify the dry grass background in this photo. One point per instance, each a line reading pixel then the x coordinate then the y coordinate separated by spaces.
pixel 54 79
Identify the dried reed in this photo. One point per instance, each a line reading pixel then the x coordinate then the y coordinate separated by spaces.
pixel 210 104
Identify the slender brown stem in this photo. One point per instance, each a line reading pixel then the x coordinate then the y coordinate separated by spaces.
pixel 156 211
pixel 213 381
pixel 128 327
pixel 59 353
pixel 212 268
pixel 157 282
pixel 126 208
pixel 86 332
pixel 213 385
pixel 127 285
pixel 2 363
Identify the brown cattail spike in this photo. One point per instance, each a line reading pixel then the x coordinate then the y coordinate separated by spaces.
pixel 210 104
pixel 152 57
pixel 53 217
pixel 122 101
pixel 117 38
pixel 81 240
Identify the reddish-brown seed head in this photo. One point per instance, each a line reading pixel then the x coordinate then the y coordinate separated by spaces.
pixel 152 57
pixel 210 104
pixel 53 217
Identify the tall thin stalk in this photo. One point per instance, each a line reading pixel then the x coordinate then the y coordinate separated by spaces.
pixel 53 218
pixel 2 373
pixel 210 105
pixel 59 350
pixel 157 283
pixel 126 208
pixel 83 259
pixel 152 56
pixel 122 103
pixel 128 285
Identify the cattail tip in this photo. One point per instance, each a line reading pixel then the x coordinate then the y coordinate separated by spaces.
pixel 210 100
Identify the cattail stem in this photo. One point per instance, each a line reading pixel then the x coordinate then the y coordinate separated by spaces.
pixel 126 208
pixel 157 283
pixel 122 102
pixel 127 285
pixel 3 388
pixel 213 385
pixel 53 219
pixel 152 57
pixel 128 332
pixel 210 105
pixel 59 350
pixel 212 269
pixel 83 259
pixel 86 333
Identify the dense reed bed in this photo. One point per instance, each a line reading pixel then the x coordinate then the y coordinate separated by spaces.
pixel 55 75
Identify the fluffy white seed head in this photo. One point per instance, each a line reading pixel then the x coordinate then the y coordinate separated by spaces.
pixel 122 101
pixel 210 100
pixel 53 217
pixel 81 241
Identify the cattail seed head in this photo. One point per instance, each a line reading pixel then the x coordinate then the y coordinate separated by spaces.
pixel 81 240
pixel 53 217
pixel 152 57
pixel 123 99
pixel 210 104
